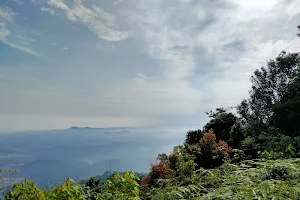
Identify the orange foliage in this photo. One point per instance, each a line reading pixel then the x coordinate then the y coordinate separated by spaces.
pixel 225 147
pixel 145 180
pixel 159 170
pixel 208 142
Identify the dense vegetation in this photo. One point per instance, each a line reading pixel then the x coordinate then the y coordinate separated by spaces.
pixel 252 153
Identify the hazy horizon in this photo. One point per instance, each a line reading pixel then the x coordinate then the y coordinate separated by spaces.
pixel 52 156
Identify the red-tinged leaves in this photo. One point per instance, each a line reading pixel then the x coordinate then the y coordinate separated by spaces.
pixel 159 170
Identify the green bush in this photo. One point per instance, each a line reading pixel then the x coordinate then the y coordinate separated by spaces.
pixel 271 155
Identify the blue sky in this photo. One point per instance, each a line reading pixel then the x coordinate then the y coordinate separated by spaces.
pixel 106 63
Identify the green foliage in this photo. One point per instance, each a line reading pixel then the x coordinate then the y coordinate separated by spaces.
pixel 287 116
pixel 226 126
pixel 120 186
pixel 249 180
pixel 193 137
pixel 250 146
pixel 68 190
pixel 271 155
pixel 93 185
pixel 236 156
pixel 123 186
pixel 25 190
pixel 269 86
pixel 290 150
pixel 274 97
pixel 185 166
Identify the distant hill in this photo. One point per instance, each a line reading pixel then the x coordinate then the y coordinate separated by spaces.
pixel 107 132
pixel 82 128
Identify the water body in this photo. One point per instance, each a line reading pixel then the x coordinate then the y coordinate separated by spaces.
pixel 48 157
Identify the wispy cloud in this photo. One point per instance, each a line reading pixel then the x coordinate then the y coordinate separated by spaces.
pixel 98 20
pixel 37 2
pixel 25 38
pixel 7 15
pixel 51 11
pixel 24 49
pixel 19 1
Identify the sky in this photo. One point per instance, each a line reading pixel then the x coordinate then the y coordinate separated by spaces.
pixel 108 63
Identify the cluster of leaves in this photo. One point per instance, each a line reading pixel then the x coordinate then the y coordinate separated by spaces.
pixel 119 186
pixel 184 160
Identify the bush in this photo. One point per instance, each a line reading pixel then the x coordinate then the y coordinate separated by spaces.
pixel 271 155
pixel 236 156
pixel 213 153
pixel 159 171
pixel 25 190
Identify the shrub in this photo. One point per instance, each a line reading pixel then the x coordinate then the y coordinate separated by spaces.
pixel 145 180
pixel 212 153
pixel 68 190
pixel 123 186
pixel 271 155
pixel 236 156
pixel 25 190
pixel 224 148
pixel 159 171
pixel 276 172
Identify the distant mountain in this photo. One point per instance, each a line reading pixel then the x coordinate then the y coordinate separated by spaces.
pixel 82 128
pixel 116 130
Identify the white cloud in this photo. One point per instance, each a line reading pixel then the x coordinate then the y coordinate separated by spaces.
pixel 25 38
pixel 293 8
pixel 4 33
pixel 51 11
pixel 6 13
pixel 19 1
pixel 98 20
pixel 37 2
pixel 24 49
pixel 182 57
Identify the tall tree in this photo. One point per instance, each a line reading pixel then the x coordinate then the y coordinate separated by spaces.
pixel 269 85
pixel 287 109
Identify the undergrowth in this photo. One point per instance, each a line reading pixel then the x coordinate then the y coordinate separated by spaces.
pixel 251 179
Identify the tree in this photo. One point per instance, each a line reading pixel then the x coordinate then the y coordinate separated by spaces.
pixel 226 126
pixel 298 30
pixel 212 153
pixel 287 117
pixel 193 137
pixel 269 85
